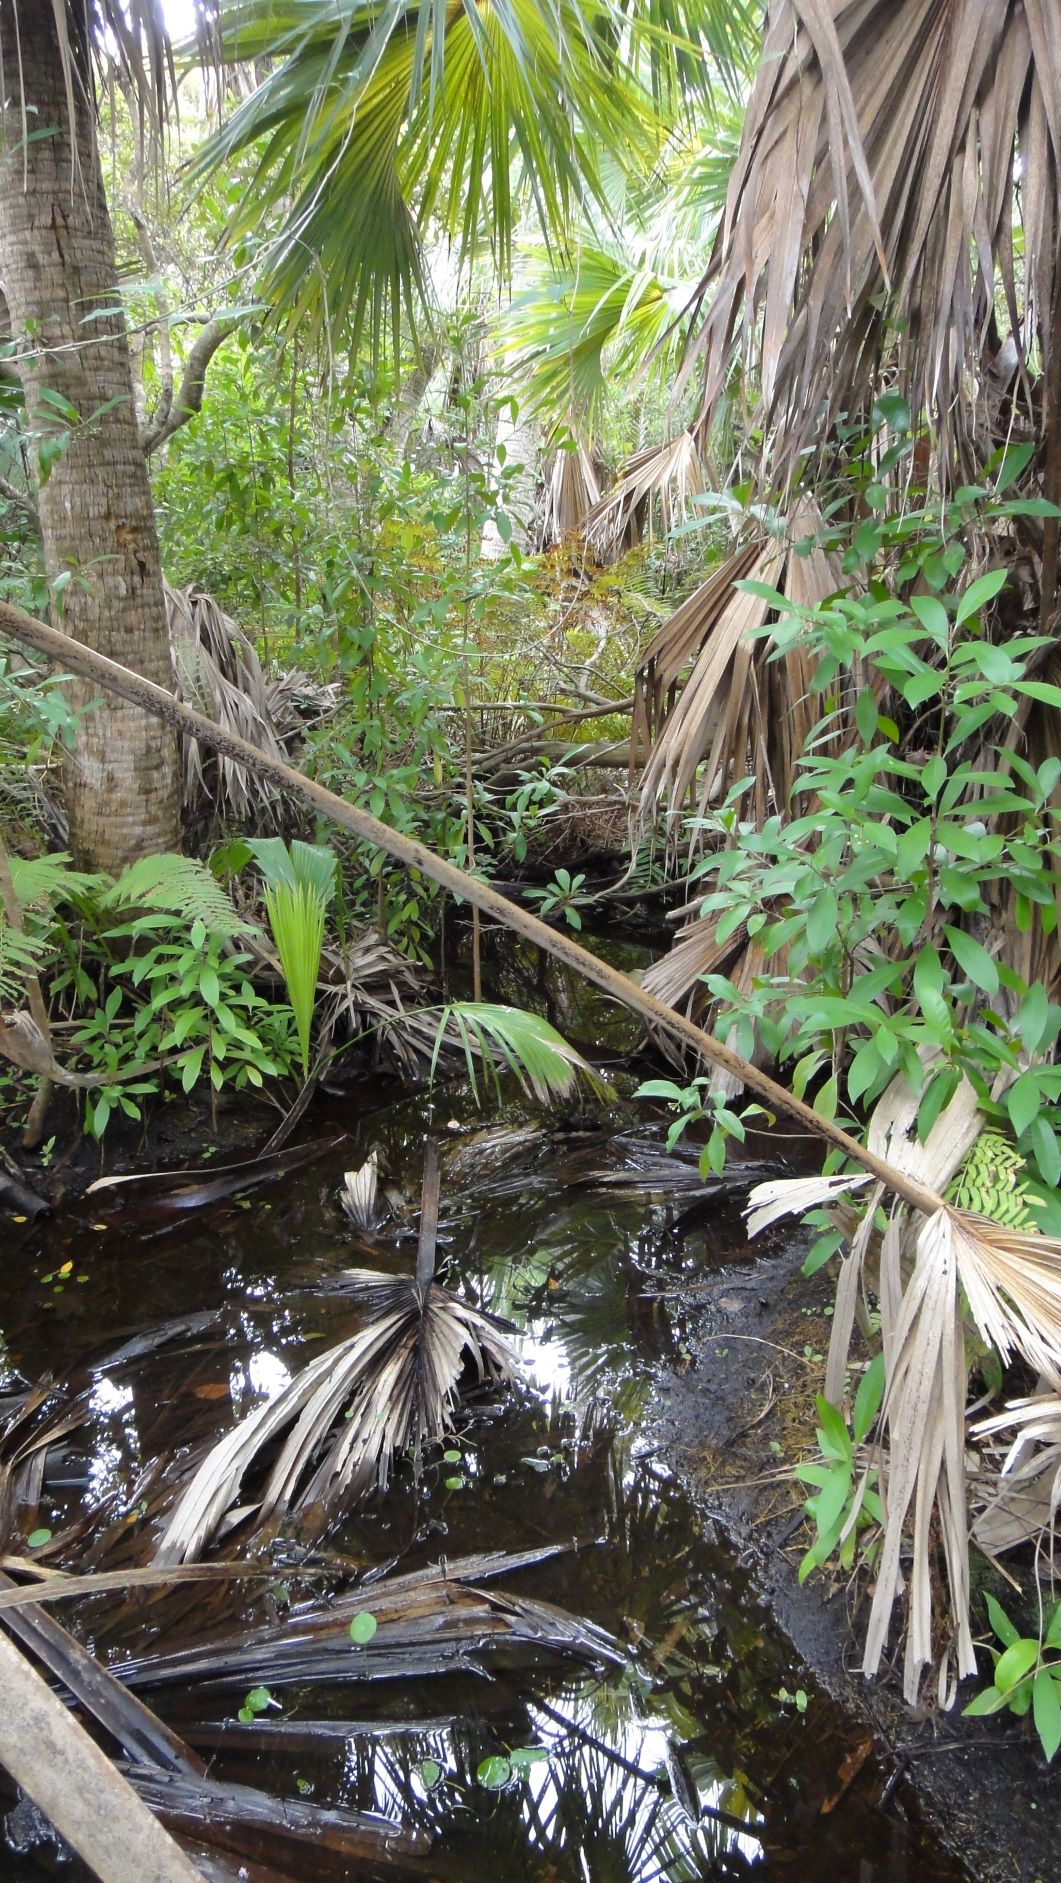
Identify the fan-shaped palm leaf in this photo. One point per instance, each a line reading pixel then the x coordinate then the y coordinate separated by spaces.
pixel 380 120
pixel 389 1388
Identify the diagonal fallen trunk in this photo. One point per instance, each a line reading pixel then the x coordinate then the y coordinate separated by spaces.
pixel 88 665
pixel 76 1786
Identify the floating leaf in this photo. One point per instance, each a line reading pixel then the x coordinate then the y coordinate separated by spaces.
pixel 494 1772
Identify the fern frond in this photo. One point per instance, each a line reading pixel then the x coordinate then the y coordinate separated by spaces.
pixel 181 884
pixel 41 882
pixel 20 956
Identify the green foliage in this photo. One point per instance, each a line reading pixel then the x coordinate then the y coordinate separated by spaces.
pixel 695 1104
pixel 500 1039
pixel 878 895
pixel 560 897
pixel 1026 1678
pixel 448 121
pixel 845 1502
pixel 299 887
pixel 257 1701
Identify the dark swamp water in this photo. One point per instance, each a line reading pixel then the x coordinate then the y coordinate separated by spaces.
pixel 678 1760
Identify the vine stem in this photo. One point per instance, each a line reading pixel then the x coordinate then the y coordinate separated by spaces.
pixel 73 657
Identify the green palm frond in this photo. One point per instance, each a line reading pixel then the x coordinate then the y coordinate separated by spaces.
pixel 510 1039
pixel 574 328
pixel 299 885
pixel 381 120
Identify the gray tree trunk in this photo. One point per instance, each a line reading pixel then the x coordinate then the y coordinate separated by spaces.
pixel 97 521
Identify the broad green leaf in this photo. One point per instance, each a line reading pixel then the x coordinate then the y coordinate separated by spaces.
pixel 1046 1712
pixel 973 959
pixel 980 592
pixel 868 1399
pixel 1000 1622
pixel 1015 1664
pixel 494 1772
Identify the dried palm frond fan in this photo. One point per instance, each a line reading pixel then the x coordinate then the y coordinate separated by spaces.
pixel 664 477
pixel 218 672
pixel 927 1276
pixel 392 1387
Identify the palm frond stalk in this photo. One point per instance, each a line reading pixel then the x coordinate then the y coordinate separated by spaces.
pixel 389 1389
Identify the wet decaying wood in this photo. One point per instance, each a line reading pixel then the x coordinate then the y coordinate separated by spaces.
pixel 51 1756
pixel 434 1621
pixel 431 1622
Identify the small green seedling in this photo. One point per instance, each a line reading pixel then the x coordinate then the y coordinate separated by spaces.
pixel 1024 1676
pixel 257 1701
pixel 845 1501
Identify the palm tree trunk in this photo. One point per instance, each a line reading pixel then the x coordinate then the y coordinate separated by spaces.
pixel 101 553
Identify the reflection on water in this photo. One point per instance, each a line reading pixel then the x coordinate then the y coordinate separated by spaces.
pixel 686 1763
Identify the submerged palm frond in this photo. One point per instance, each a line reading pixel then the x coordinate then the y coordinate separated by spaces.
pixel 389 1389
pixel 895 159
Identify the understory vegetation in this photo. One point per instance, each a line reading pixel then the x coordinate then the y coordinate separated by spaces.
pixel 625 458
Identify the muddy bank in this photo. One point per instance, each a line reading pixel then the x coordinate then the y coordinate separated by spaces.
pixel 758 1334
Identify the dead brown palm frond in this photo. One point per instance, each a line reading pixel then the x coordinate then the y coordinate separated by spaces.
pixel 390 1388
pixel 667 475
pixel 1010 1284
pixel 889 156
pixel 736 709
pixel 218 672
pixel 1018 1497
pixel 572 490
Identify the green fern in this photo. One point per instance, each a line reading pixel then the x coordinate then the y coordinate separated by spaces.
pixel 991 1182
pixel 41 882
pixel 20 956
pixel 180 884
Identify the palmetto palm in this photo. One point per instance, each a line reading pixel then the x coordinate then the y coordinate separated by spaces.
pixel 386 120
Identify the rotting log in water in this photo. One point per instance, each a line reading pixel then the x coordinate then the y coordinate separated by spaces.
pixel 90 1804
pixel 434 1621
pixel 70 655
pixel 119 1826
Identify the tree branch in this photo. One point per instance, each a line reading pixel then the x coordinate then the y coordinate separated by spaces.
pixel 187 402
pixel 23 500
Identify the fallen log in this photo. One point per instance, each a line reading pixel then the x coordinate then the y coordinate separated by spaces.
pixel 75 658
pixel 91 1805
